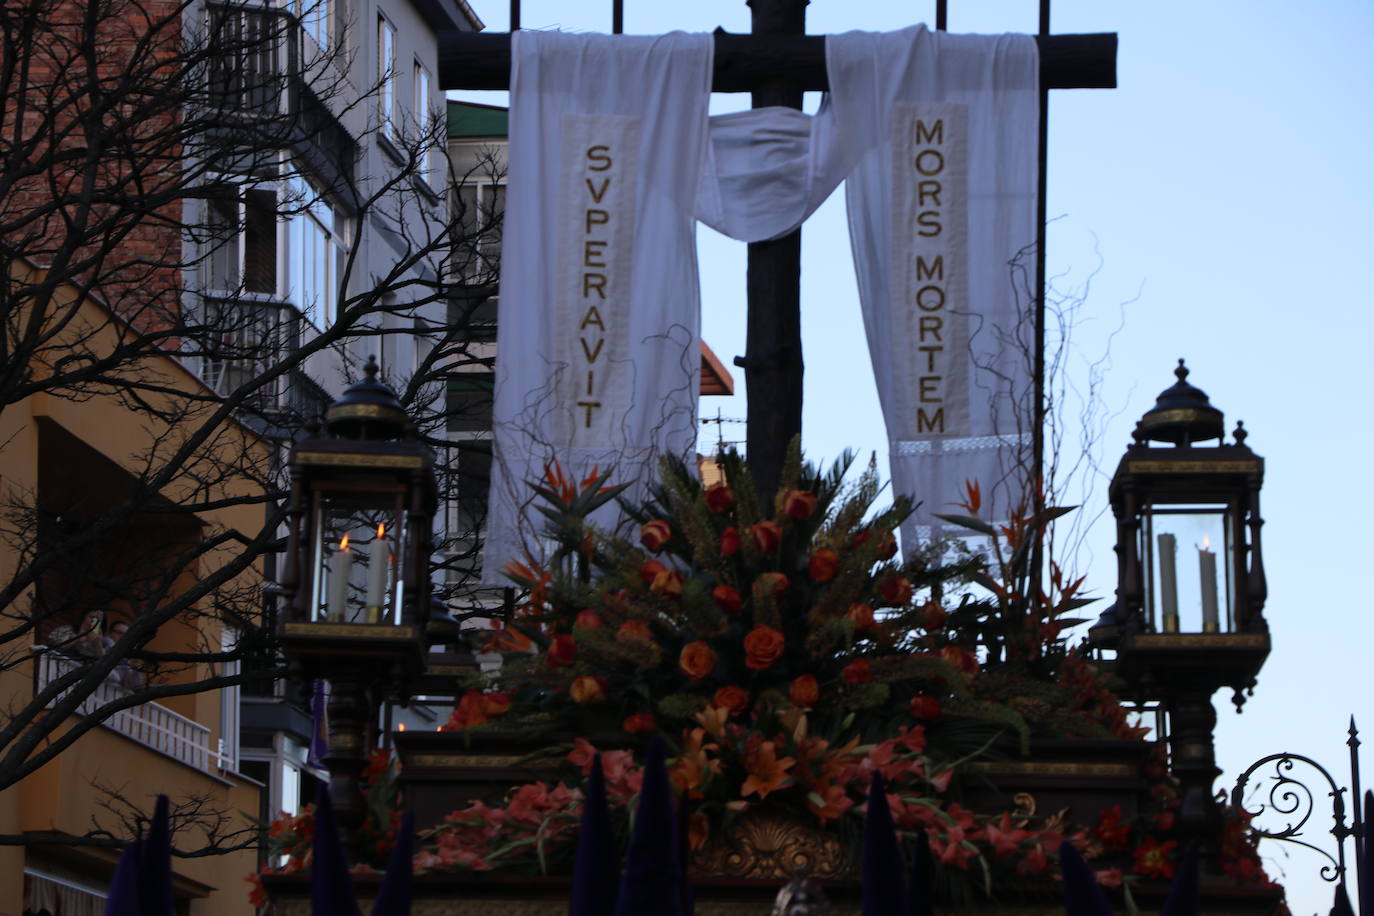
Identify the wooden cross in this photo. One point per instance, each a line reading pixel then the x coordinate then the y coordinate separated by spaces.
pixel 777 62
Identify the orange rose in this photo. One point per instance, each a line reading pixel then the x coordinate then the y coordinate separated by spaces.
pixel 650 570
pixel 767 536
pixel 655 534
pixel 763 646
pixel 587 620
pixel 588 688
pixel 862 615
pixel 800 504
pixel 640 722
pixel 770 585
pixel 804 691
pixel 634 631
pixel 735 699
pixel 729 541
pixel 562 651
pixel 697 660
pixel 933 616
pixel 857 672
pixel 668 583
pixel 924 707
pixel 896 591
pixel 719 498
pixel 727 598
pixel 468 713
pixel 824 564
pixel 495 704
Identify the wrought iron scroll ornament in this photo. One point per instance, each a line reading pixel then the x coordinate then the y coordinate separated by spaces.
pixel 1291 796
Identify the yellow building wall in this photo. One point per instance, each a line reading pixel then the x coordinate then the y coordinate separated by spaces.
pixel 66 795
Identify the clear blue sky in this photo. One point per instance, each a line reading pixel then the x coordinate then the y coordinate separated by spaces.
pixel 1220 201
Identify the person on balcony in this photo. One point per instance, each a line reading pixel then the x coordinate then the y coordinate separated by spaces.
pixel 87 641
pixel 128 677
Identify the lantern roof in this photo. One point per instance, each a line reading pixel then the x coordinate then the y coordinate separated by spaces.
pixel 1182 415
pixel 368 409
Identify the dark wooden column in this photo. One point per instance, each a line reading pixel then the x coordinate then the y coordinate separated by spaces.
pixel 772 362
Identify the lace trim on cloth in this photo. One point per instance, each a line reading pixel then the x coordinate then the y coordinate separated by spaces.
pixel 909 447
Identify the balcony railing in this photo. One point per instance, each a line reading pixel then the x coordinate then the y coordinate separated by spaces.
pixel 150 724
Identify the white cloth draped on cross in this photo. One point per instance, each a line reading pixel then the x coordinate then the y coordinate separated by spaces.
pixel 613 158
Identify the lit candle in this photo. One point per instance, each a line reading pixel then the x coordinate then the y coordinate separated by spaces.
pixel 1207 571
pixel 338 579
pixel 378 558
pixel 1168 581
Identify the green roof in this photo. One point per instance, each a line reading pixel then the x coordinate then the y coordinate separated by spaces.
pixel 469 120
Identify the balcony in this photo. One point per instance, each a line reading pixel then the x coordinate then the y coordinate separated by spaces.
pixel 149 724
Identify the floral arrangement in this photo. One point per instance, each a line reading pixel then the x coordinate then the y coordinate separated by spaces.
pixel 786 654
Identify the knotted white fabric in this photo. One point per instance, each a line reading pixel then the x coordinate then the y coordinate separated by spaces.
pixel 942 212
pixel 597 333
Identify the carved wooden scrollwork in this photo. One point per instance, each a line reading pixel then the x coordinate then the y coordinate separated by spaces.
pixel 772 846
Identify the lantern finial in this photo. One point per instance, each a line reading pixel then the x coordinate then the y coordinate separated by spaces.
pixel 1182 415
pixel 368 409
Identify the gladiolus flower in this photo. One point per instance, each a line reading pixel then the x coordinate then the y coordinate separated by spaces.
pixel 588 688
pixel 735 699
pixel 767 536
pixel 495 704
pixel 697 660
pixel 562 651
pixel 924 707
pixel 587 620
pixel 857 672
pixel 729 541
pixel 763 646
pixel 728 599
pixel 804 691
pixel 655 534
pixel 719 498
pixel 634 631
pixel 823 565
pixel 799 504
pixel 1154 859
pixel 640 722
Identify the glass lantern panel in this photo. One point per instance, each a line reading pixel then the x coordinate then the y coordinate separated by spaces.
pixel 357 558
pixel 1187 559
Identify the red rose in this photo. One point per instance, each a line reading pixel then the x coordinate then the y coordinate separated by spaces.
pixel 728 599
pixel 924 707
pixel 763 646
pixel 697 660
pixel 668 582
pixel 634 631
pixel 655 534
pixel 650 570
pixel 587 620
pixel 735 699
pixel 862 615
pixel 896 591
pixel 729 541
pixel 857 672
pixel 770 585
pixel 933 616
pixel 767 536
pixel 640 722
pixel 562 651
pixel 887 546
pixel 719 498
pixel 799 504
pixel 804 691
pixel 588 688
pixel 824 564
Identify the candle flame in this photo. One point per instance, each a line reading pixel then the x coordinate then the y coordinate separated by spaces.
pixel 381 531
pixel 401 727
pixel 343 544
pixel 1206 542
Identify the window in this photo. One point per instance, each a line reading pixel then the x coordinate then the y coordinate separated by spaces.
pixel 241 229
pixel 315 249
pixel 315 19
pixel 229 705
pixel 481 209
pixel 424 123
pixel 246 74
pixel 386 76
pixel 469 401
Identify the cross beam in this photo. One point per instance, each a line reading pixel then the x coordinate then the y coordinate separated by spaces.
pixel 777 62
pixel 480 60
